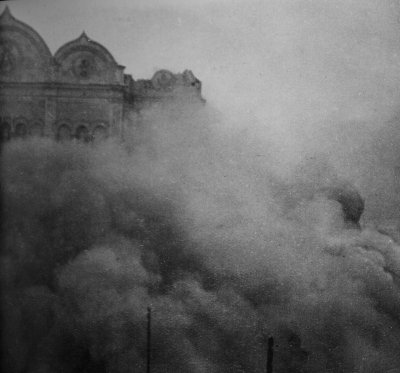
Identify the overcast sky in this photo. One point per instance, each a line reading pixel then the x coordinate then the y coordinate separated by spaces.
pixel 297 67
pixel 327 54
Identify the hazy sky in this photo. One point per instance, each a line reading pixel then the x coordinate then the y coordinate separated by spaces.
pixel 277 55
pixel 310 73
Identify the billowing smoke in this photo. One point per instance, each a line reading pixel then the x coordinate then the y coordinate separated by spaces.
pixel 205 228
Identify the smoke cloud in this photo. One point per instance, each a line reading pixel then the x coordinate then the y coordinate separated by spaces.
pixel 277 215
pixel 207 228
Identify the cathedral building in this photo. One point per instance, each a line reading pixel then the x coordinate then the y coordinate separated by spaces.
pixel 80 92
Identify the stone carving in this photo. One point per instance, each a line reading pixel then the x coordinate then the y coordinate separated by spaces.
pixel 163 80
pixel 84 67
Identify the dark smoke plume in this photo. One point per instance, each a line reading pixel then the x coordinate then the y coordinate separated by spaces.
pixel 225 250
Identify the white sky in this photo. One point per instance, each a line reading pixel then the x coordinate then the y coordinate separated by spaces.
pixel 297 65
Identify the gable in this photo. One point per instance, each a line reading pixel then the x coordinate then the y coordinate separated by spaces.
pixel 87 62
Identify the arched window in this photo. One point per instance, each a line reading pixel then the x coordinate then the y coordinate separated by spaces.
pixel 99 134
pixel 21 130
pixel 36 129
pixel 63 133
pixel 82 134
pixel 5 131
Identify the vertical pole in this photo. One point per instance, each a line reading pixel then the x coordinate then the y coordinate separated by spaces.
pixel 270 354
pixel 148 339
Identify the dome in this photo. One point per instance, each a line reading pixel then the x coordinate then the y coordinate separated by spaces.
pixel 24 56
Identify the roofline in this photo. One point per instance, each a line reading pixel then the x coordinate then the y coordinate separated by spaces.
pixel 90 42
pixel 7 13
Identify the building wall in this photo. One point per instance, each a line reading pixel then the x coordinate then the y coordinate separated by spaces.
pixel 81 92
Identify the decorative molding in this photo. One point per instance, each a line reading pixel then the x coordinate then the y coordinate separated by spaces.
pixel 163 80
pixel 84 43
pixel 84 67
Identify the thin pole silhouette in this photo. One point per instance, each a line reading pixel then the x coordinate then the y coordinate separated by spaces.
pixel 270 354
pixel 148 370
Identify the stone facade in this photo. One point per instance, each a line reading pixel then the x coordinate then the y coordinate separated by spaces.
pixel 81 92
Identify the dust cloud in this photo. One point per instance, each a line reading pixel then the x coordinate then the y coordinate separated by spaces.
pixel 227 241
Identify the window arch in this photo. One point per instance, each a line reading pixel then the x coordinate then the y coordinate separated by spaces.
pixel 5 131
pixel 82 134
pixel 36 129
pixel 99 133
pixel 64 132
pixel 21 130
